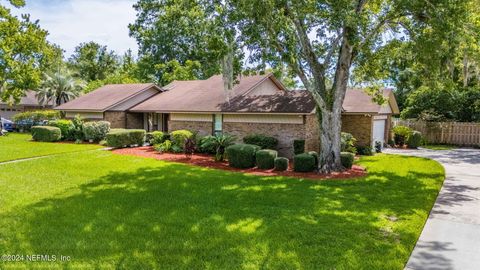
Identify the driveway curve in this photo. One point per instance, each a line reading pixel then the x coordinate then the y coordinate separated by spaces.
pixel 451 236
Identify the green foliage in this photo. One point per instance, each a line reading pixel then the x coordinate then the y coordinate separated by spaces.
pixel 77 130
pixel 304 163
pixel 164 147
pixel 119 138
pixel 265 159
pixel 65 126
pixel 157 137
pixel 116 78
pixel 414 139
pixel 347 159
pixel 217 145
pixel 348 143
pixel 281 164
pixel 242 155
pixel 25 54
pixel 265 142
pixel 46 134
pixel 36 116
pixel 400 134
pixel 364 150
pixel 190 147
pixel 298 147
pixel 315 155
pixel 58 88
pixel 96 131
pixel 178 137
pixel 92 61
pixel 173 70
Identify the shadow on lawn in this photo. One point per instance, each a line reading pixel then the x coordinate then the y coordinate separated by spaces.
pixel 177 216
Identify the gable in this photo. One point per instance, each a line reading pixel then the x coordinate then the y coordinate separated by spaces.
pixel 266 87
pixel 129 103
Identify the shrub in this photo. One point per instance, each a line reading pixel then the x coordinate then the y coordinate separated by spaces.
pixel 265 142
pixel 400 134
pixel 281 164
pixel 242 155
pixel 414 140
pixel 265 159
pixel 315 155
pixel 95 131
pixel 125 137
pixel 65 126
pixel 348 143
pixel 178 137
pixel 217 144
pixel 189 147
pixel 347 159
pixel 365 150
pixel 378 147
pixel 304 163
pixel 298 147
pixel 157 137
pixel 163 147
pixel 77 130
pixel 46 134
pixel 25 120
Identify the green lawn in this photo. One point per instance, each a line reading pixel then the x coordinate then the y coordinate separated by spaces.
pixel 439 147
pixel 109 211
pixel 18 146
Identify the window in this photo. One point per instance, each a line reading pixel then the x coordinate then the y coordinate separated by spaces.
pixel 217 124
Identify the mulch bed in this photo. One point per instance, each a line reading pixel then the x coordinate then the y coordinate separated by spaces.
pixel 207 161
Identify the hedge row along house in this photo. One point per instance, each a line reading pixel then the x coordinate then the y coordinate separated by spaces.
pixel 257 104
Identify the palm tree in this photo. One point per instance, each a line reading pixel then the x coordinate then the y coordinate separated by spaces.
pixel 58 88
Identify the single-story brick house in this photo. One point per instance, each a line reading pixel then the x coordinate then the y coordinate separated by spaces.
pixel 29 102
pixel 112 103
pixel 257 104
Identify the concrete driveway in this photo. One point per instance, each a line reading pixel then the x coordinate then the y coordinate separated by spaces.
pixel 451 236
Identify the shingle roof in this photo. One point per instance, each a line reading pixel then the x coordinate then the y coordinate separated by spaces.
pixel 357 101
pixel 200 95
pixel 105 97
pixel 29 99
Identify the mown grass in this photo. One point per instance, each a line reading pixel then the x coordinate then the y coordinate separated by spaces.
pixel 119 212
pixel 439 147
pixel 18 146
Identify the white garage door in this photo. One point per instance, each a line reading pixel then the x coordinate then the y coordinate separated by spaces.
pixel 378 131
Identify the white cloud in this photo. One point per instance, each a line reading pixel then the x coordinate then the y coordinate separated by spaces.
pixel 71 22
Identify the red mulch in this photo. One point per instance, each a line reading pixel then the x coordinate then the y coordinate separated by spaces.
pixel 207 161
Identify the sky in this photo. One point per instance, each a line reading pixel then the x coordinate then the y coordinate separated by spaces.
pixel 70 22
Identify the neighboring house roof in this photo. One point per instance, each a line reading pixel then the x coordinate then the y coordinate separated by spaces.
pixel 357 101
pixel 29 99
pixel 205 95
pixel 106 97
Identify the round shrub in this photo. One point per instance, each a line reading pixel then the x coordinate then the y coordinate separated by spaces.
pixel 46 134
pixel 178 137
pixel 242 155
pixel 65 126
pixel 157 137
pixel 265 159
pixel 414 139
pixel 265 142
pixel 95 131
pixel 298 147
pixel 281 163
pixel 304 163
pixel 400 134
pixel 348 143
pixel 347 159
pixel 315 155
pixel 364 150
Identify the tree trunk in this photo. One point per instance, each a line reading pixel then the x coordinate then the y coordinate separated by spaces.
pixel 330 129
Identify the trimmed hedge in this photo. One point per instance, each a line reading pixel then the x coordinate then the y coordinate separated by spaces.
pixel 119 138
pixel 315 155
pixel 281 163
pixel 298 147
pixel 65 127
pixel 347 159
pixel 414 139
pixel 265 142
pixel 265 159
pixel 178 137
pixel 364 150
pixel 46 134
pixel 304 163
pixel 242 155
pixel 96 131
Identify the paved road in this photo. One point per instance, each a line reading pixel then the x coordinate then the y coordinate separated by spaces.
pixel 451 236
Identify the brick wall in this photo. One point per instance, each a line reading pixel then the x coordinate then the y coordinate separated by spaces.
pixel 116 119
pixel 203 128
pixel 360 126
pixel 135 120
